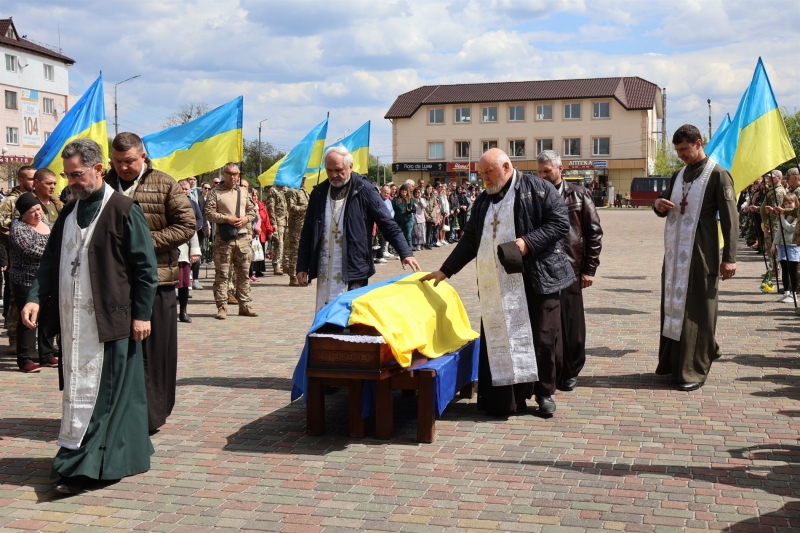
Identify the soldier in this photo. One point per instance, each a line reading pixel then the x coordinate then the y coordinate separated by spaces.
pixel 231 209
pixel 296 205
pixel 773 198
pixel 276 205
pixel 7 215
pixel 44 186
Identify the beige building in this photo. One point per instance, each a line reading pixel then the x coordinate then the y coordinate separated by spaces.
pixel 605 129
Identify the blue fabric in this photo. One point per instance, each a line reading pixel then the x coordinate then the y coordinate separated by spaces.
pixel 793 253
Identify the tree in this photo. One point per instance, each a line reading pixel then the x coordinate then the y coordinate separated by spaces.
pixel 792 121
pixel 186 113
pixel 378 173
pixel 667 161
pixel 269 156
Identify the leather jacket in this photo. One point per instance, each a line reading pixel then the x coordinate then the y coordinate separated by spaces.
pixel 583 242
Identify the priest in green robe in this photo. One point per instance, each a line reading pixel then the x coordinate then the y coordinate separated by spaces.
pixel 692 267
pixel 96 286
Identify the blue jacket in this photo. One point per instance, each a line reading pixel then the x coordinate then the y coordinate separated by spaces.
pixel 540 218
pixel 364 207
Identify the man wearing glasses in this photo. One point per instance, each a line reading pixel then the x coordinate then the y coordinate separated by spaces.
pixel 172 223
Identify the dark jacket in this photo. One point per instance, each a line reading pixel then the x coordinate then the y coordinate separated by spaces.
pixel 540 218
pixel 364 208
pixel 583 242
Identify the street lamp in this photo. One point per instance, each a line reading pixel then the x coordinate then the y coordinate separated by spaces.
pixel 259 145
pixel 709 119
pixel 116 123
pixel 343 136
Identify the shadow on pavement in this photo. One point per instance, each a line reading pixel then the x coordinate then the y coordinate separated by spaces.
pixel 613 311
pixel 238 382
pixel 628 381
pixel 765 361
pixel 43 429
pixel 605 351
pixel 29 472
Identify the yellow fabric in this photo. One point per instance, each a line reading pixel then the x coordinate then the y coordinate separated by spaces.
pixel 96 132
pixel 203 156
pixel 415 316
pixel 763 145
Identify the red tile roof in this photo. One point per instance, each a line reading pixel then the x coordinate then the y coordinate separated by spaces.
pixel 631 93
pixel 23 44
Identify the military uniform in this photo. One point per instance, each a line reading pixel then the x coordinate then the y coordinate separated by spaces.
pixel 296 205
pixel 773 198
pixel 278 214
pixel 236 253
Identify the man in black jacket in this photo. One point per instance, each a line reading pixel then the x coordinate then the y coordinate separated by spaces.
pixel 583 245
pixel 336 240
pixel 531 219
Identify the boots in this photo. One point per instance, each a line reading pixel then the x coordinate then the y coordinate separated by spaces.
pixel 184 317
pixel 293 281
pixel 222 313
pixel 246 310
pixel 232 299
pixel 278 271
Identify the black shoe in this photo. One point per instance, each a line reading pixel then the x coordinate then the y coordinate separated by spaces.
pixel 687 387
pixel 547 406
pixel 184 317
pixel 568 384
pixel 71 485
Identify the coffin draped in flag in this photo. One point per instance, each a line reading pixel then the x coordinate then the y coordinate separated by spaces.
pixel 201 145
pixel 357 143
pixel 756 140
pixel 304 160
pixel 85 120
pixel 410 316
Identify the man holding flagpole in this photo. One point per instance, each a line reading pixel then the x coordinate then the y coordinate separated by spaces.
pixel 692 268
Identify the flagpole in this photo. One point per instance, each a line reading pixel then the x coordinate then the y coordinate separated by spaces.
pixel 319 172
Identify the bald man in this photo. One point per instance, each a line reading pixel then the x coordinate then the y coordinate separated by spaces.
pixel 521 346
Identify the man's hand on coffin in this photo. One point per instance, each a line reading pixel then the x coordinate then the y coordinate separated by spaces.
pixel 411 262
pixel 140 329
pixel 302 279
pixel 30 315
pixel 437 277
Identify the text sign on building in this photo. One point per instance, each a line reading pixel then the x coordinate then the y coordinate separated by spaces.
pixel 581 165
pixel 600 164
pixel 418 167
pixel 16 159
pixel 460 167
pixel 30 119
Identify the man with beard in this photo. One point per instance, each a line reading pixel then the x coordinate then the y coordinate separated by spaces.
pixel 96 283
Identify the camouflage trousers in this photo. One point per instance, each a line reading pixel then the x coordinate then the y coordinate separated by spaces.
pixel 277 245
pixel 233 256
pixel 291 244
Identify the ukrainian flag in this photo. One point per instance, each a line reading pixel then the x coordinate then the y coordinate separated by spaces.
pixel 719 134
pixel 304 160
pixel 357 143
pixel 86 120
pixel 756 140
pixel 201 145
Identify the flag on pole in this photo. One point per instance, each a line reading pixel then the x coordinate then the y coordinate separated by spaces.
pixel 756 140
pixel 305 159
pixel 357 143
pixel 201 145
pixel 86 120
pixel 719 134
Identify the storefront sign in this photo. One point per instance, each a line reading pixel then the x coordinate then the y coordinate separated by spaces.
pixel 30 119
pixel 600 164
pixel 16 159
pixel 419 167
pixel 581 165
pixel 461 167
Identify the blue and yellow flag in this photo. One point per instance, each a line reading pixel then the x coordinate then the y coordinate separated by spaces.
pixel 201 145
pixel 304 160
pixel 86 120
pixel 722 129
pixel 357 143
pixel 756 140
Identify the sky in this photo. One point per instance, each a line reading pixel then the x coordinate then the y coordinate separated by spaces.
pixel 294 61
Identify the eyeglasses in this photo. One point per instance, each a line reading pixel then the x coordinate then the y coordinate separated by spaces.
pixel 206 187
pixel 232 174
pixel 74 175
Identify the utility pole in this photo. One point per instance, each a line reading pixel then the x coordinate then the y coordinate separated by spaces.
pixel 709 119
pixel 377 170
pixel 664 119
pixel 116 122
pixel 259 155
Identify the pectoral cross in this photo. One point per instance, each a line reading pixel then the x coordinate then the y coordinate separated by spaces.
pixel 683 205
pixel 75 264
pixel 494 224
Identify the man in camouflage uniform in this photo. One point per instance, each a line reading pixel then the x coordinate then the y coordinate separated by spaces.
pixel 793 181
pixel 236 253
pixel 773 198
pixel 296 205
pixel 8 214
pixel 278 215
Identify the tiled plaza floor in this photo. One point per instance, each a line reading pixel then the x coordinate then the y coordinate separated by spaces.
pixel 625 452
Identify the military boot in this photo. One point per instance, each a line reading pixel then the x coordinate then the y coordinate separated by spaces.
pixel 246 310
pixel 222 313
pixel 278 271
pixel 293 281
pixel 232 298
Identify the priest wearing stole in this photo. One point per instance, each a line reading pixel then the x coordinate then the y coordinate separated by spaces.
pixel 515 232
pixel 692 268
pixel 96 283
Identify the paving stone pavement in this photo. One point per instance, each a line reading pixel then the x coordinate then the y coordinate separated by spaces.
pixel 625 452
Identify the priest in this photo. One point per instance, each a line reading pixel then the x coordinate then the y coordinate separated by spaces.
pixel 692 267
pixel 96 283
pixel 523 217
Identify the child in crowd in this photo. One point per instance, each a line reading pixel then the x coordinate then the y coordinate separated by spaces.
pixel 788 254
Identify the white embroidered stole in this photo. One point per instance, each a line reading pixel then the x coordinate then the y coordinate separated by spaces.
pixel 679 234
pixel 330 281
pixel 504 306
pixel 81 349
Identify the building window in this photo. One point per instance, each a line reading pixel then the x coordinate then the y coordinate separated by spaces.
pixel 462 149
pixel 11 100
pixel 436 116
pixel 489 113
pixel 462 114
pixel 516 113
pixel 572 111
pixel 516 148
pixel 544 112
pixel 12 136
pixel 601 146
pixel 11 63
pixel 49 73
pixel 47 135
pixel 543 144
pixel 602 110
pixel 488 145
pixel 436 150
pixel 47 106
pixel 572 147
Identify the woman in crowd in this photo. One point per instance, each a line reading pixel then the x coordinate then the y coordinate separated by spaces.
pixel 444 212
pixel 418 234
pixel 188 255
pixel 404 208
pixel 431 216
pixel 27 239
pixel 262 229
pixel 463 207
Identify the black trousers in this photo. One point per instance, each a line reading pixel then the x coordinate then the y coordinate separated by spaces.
pixel 160 352
pixel 26 338
pixel 573 331
pixel 545 314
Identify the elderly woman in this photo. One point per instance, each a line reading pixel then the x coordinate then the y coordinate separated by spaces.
pixel 27 239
